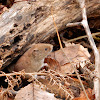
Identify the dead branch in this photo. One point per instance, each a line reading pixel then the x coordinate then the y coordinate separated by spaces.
pixel 84 22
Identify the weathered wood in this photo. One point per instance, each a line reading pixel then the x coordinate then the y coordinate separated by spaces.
pixel 26 23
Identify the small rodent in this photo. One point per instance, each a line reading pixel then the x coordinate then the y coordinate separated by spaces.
pixel 33 59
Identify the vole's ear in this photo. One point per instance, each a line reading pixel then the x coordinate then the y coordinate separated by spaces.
pixel 35 52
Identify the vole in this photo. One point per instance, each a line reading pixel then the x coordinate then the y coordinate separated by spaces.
pixel 33 59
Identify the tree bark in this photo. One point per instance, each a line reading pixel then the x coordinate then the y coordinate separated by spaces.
pixel 26 23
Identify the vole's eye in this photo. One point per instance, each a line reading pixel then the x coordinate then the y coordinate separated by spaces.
pixel 46 49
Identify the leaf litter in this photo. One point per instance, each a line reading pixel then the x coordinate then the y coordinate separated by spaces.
pixel 59 79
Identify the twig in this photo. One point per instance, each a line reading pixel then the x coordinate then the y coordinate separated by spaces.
pixel 21 73
pixel 73 24
pixel 56 29
pixel 81 37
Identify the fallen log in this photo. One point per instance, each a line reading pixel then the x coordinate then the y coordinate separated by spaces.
pixel 26 23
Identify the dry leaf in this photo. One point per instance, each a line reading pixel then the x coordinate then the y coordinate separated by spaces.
pixel 53 64
pixel 57 85
pixel 76 53
pixel 83 97
pixel 33 92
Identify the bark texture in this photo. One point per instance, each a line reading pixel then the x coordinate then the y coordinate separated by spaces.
pixel 26 23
